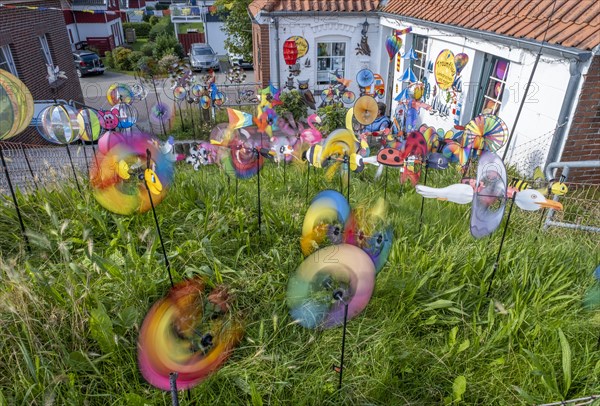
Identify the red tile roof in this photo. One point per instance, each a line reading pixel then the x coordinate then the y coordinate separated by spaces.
pixel 346 6
pixel 575 23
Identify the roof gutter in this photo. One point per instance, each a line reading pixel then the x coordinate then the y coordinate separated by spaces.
pixel 532 45
pixel 556 50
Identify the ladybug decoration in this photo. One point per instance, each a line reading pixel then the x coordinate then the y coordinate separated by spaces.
pixel 390 157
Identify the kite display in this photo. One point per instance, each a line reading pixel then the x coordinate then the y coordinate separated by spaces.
pixel 190 331
pixel 325 280
pixel 127 171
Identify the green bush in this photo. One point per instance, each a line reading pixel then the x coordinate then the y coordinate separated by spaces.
pixel 142 30
pixel 149 8
pixel 167 44
pixel 148 48
pixel 332 118
pixel 160 6
pixel 292 103
pixel 167 61
pixel 108 59
pixel 153 20
pixel 164 26
pixel 148 66
pixel 134 58
pixel 121 58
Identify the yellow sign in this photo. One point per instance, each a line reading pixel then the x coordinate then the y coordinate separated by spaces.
pixel 445 69
pixel 301 44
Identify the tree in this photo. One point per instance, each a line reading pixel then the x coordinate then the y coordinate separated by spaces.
pixel 237 25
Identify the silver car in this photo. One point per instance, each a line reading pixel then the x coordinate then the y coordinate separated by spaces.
pixel 202 56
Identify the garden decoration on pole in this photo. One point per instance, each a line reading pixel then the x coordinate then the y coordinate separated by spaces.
pixel 488 194
pixel 131 176
pixel 15 115
pixel 344 271
pixel 58 124
pixel 190 332
pixel 90 128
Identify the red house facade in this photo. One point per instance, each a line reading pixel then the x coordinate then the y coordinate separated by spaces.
pixel 95 22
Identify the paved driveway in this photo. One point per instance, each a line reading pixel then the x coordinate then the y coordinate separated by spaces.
pixel 95 88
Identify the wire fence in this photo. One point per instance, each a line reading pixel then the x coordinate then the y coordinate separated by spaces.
pixel 32 167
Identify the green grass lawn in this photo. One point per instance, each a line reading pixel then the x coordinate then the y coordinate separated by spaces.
pixel 70 311
pixel 183 27
pixel 139 43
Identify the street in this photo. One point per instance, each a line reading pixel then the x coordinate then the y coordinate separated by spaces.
pixel 95 87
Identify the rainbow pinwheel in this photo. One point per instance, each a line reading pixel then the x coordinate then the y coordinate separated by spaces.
pixel 486 132
pixel 324 221
pixel 368 228
pixel 190 331
pixel 119 93
pixel 127 171
pixel 343 269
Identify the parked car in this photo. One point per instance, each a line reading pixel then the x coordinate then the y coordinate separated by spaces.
pixel 202 56
pixel 238 60
pixel 87 62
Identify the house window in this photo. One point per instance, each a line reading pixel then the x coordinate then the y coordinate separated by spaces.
pixel 420 47
pixel 45 49
pixel 70 35
pixel 6 60
pixel 495 71
pixel 331 57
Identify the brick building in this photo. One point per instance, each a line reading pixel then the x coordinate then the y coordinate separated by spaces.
pixel 29 39
pixel 583 143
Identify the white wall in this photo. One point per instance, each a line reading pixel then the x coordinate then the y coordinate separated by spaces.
pixel 94 30
pixel 216 37
pixel 72 28
pixel 539 116
pixel 323 28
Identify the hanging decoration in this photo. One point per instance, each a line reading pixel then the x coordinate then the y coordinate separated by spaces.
pixel 393 43
pixel 290 52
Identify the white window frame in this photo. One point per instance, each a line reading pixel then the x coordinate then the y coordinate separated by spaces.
pixel 490 83
pixel 419 69
pixel 9 63
pixel 45 49
pixel 317 58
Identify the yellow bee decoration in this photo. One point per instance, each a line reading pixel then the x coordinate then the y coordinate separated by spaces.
pixel 556 188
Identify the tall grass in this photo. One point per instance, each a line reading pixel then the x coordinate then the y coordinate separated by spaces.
pixel 71 310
